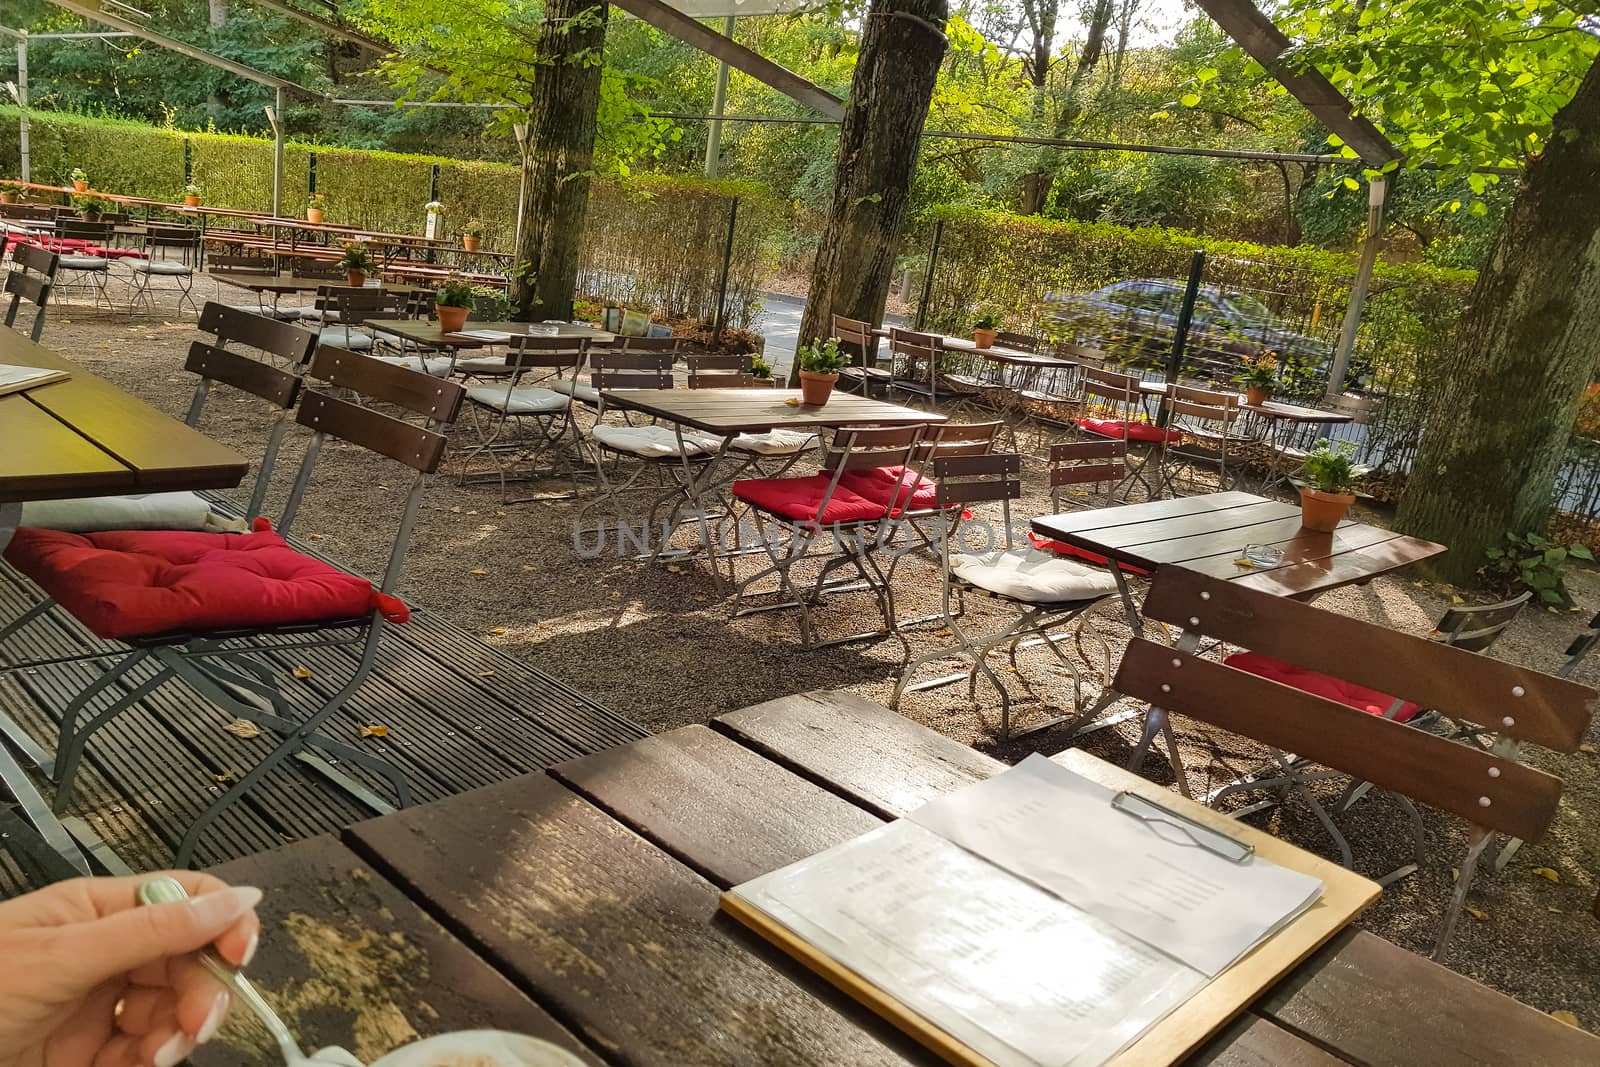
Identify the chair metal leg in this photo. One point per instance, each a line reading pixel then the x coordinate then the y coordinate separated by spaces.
pixel 1476 843
pixel 73 741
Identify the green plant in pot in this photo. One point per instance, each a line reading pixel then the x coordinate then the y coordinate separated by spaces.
pixel 90 208
pixel 1329 486
pixel 472 235
pixel 80 180
pixel 316 205
pixel 357 261
pixel 984 328
pixel 761 370
pixel 452 303
pixel 191 195
pixel 820 362
pixel 1258 377
pixel 9 192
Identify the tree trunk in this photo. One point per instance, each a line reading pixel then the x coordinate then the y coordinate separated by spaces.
pixel 1525 349
pixel 1036 186
pixel 1041 15
pixel 559 159
pixel 901 49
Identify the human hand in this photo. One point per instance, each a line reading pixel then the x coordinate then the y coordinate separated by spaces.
pixel 92 979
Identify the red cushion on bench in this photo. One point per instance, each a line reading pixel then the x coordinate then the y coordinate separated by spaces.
pixel 893 487
pixel 1119 429
pixel 140 583
pixel 1322 685
pixel 799 499
pixel 1061 548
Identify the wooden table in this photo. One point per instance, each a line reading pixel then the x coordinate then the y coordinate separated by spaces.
pixel 1283 419
pixel 283 284
pixel 84 437
pixel 593 891
pixel 736 411
pixel 426 333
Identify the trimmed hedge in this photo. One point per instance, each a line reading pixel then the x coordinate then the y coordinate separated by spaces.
pixel 654 242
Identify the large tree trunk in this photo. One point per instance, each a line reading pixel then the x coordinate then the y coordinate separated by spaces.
pixel 901 49
pixel 1525 348
pixel 1041 16
pixel 1037 185
pixel 559 159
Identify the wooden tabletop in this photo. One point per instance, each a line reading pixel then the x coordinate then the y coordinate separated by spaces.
pixel 1208 533
pixel 427 333
pixel 286 283
pixel 592 893
pixel 731 411
pixel 1281 412
pixel 86 437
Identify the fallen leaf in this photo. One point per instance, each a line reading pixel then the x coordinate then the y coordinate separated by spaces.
pixel 530 566
pixel 375 730
pixel 673 568
pixel 1455 874
pixel 1478 913
pixel 1564 1017
pixel 1456 598
pixel 793 402
pixel 313 537
pixel 1242 562
pixel 616 596
pixel 1586 747
pixel 699 599
pixel 1548 874
pixel 301 672
pixel 243 728
pixel 498 630
pixel 478 571
pixel 224 777
pixel 486 674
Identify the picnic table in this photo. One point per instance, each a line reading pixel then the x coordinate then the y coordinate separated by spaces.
pixel 581 907
pixel 425 333
pixel 284 284
pixel 84 437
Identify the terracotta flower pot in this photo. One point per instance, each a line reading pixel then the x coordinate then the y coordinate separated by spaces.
pixel 191 201
pixel 1321 511
pixel 983 338
pixel 451 320
pixel 471 243
pixel 816 388
pixel 314 214
pixel 89 216
pixel 8 198
pixel 79 187
pixel 1256 394
pixel 356 278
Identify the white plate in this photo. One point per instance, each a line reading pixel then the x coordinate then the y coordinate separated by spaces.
pixel 479 1048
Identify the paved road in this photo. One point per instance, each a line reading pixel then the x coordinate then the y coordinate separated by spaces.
pixel 780 322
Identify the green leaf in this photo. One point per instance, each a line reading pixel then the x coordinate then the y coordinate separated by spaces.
pixel 1550 596
pixel 1579 552
pixel 1555 555
pixel 1189 100
pixel 1205 74
pixel 1351 184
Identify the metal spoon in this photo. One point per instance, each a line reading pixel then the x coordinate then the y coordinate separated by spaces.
pixel 164 890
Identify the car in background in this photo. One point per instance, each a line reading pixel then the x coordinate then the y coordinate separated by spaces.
pixel 1137 320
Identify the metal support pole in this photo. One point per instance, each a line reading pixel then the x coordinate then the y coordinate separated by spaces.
pixel 1376 193
pixel 521 131
pixel 719 102
pixel 22 103
pixel 275 116
pixel 188 162
pixel 433 183
pixel 1180 337
pixel 727 263
pixel 927 279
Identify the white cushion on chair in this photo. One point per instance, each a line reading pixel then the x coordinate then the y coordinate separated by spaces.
pixel 654 442
pixel 775 442
pixel 161 266
pixel 578 391
pixel 148 511
pixel 314 314
pixel 527 400
pixel 344 337
pixel 1033 576
pixel 83 262
pixel 484 365
pixel 438 366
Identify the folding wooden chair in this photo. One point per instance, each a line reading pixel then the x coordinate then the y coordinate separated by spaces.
pixel 921 370
pixel 719 370
pixel 770 453
pixel 32 274
pixel 81 247
pixel 1046 590
pixel 527 417
pixel 207 639
pixel 266 303
pixel 1202 424
pixel 171 252
pixel 1492 792
pixel 855 338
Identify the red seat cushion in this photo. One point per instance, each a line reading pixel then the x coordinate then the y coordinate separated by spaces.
pixel 799 499
pixel 899 488
pixel 1061 548
pixel 1120 429
pixel 141 583
pixel 1322 685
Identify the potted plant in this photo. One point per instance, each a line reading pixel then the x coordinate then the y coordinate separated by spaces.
pixel 1329 486
pixel 9 191
pixel 819 370
pixel 983 330
pixel 315 206
pixel 761 370
pixel 1259 374
pixel 80 180
pixel 89 208
pixel 452 303
pixel 191 195
pixel 472 235
pixel 356 261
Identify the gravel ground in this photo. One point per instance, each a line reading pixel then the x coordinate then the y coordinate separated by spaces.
pixel 657 643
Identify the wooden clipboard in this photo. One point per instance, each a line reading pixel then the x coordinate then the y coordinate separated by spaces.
pixel 1345 895
pixel 37 377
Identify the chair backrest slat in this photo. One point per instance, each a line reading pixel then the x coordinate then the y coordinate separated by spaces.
pixel 282 339
pixel 873 446
pixel 417 392
pixel 34 258
pixel 275 386
pixel 230 263
pixel 1208 412
pixel 1513 701
pixel 668 346
pixel 613 369
pixel 1022 342
pixel 94 232
pixel 304 267
pixel 1492 791
pixel 414 446
pixel 1477 628
pixel 720 371
pixel 561 353
pixel 30 287
pixel 975 479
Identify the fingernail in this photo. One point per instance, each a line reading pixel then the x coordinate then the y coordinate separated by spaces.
pixel 224 904
pixel 219 1011
pixel 172 1053
pixel 250 948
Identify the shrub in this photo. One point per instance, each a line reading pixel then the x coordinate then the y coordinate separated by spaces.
pixel 1530 561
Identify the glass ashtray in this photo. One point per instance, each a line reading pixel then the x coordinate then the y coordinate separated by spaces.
pixel 1263 555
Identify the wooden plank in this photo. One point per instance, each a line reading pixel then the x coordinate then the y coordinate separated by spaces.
pixel 860 750
pixel 1298 547
pixel 347 960
pixel 1378 1005
pixel 1286 530
pixel 1071 522
pixel 1144 534
pixel 717 806
pixel 615 935
pixel 1352 568
pixel 44 459
pixel 1251 1041
pixel 730 411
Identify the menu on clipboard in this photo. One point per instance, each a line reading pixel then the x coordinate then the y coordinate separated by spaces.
pixel 1037 918
pixel 483 335
pixel 14 379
